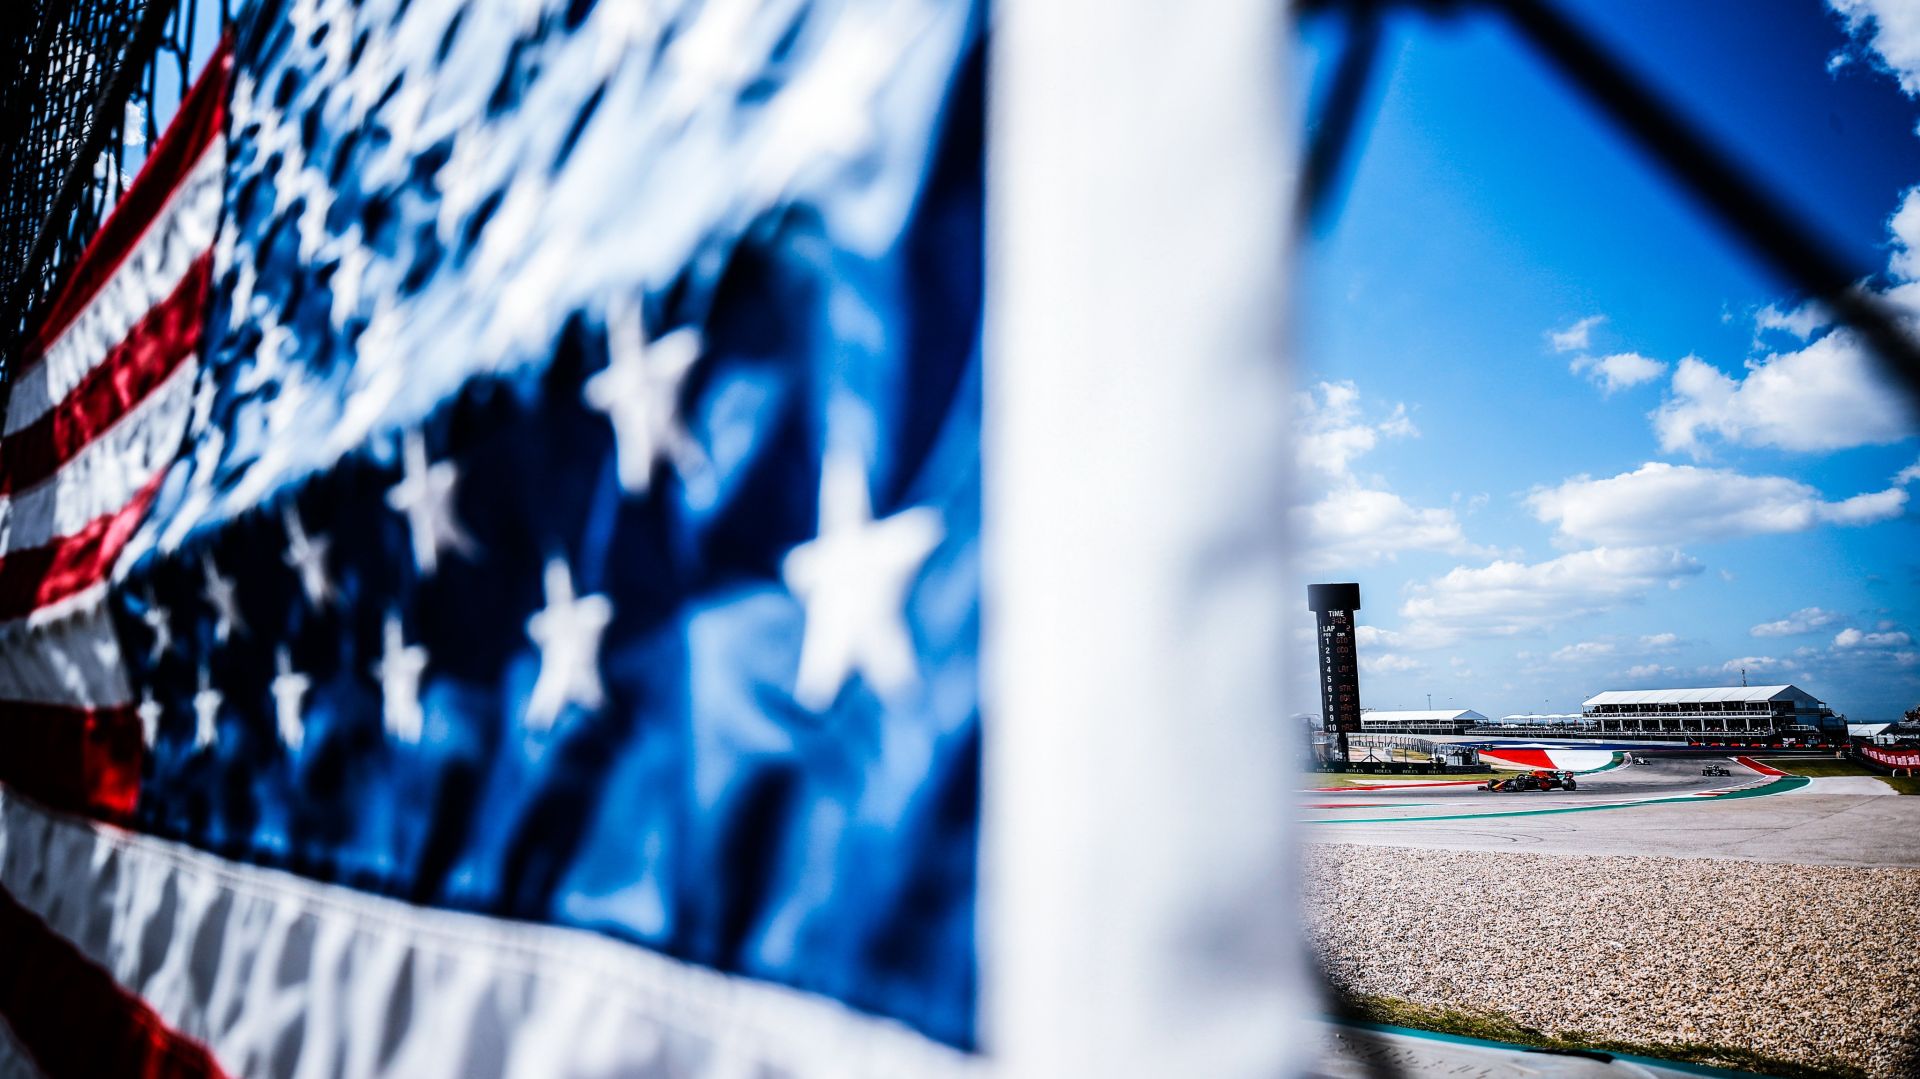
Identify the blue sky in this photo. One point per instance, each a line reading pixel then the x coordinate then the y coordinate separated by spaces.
pixel 1695 474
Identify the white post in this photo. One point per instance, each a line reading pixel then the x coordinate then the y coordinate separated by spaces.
pixel 1139 916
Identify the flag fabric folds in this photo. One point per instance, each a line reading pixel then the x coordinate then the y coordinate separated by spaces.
pixel 543 533
pixel 96 410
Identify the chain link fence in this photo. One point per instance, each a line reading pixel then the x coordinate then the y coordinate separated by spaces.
pixel 82 97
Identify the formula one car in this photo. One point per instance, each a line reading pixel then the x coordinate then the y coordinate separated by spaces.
pixel 1716 770
pixel 1540 779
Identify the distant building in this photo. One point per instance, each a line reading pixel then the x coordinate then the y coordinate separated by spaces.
pixel 1432 721
pixel 1724 712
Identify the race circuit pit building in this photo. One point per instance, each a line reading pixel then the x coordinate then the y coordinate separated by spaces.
pixel 1438 721
pixel 1727 711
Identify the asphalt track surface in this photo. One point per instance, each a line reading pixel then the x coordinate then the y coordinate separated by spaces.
pixel 1665 808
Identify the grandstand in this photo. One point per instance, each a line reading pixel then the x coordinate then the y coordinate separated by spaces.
pixel 1744 712
pixel 1430 721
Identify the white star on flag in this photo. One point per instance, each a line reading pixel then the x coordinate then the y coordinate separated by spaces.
pixel 425 495
pixel 155 616
pixel 567 631
pixel 639 390
pixel 149 711
pixel 307 556
pixel 226 604
pixel 853 579
pixel 206 709
pixel 399 673
pixel 288 688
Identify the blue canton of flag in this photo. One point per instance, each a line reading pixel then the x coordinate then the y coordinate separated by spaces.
pixel 579 521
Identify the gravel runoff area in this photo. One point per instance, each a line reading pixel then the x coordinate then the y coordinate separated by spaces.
pixel 1810 963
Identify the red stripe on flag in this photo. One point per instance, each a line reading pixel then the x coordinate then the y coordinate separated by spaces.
pixel 82 760
pixel 39 576
pixel 132 369
pixel 200 120
pixel 70 1016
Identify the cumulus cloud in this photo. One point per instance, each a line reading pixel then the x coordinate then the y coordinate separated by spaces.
pixel 1826 395
pixel 1577 337
pixel 1584 650
pixel 1853 638
pixel 1371 636
pixel 1390 663
pixel 1907 475
pixel 1618 371
pixel 1802 322
pixel 1651 643
pixel 1347 519
pixel 1660 503
pixel 1804 620
pixel 1506 598
pixel 1755 665
pixel 1891 29
pixel 1645 671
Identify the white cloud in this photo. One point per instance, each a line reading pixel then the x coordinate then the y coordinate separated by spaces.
pixel 1584 650
pixel 1619 371
pixel 1891 28
pixel 1853 638
pixel 1650 670
pixel 1754 665
pixel 1804 620
pixel 1507 598
pixel 1332 432
pixel 1576 337
pixel 1802 322
pixel 1907 475
pixel 1370 636
pixel 1390 663
pixel 1358 527
pixel 1826 396
pixel 1659 642
pixel 1659 503
pixel 1829 394
pixel 1904 263
pixel 1348 520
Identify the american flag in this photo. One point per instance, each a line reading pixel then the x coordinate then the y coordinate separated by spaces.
pixel 553 539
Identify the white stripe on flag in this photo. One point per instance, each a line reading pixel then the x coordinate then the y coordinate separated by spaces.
pixel 181 232
pixel 64 654
pixel 280 975
pixel 105 475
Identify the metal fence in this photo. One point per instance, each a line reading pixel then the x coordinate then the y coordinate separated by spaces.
pixel 81 98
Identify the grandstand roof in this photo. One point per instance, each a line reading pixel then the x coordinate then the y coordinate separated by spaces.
pixel 1433 715
pixel 1714 694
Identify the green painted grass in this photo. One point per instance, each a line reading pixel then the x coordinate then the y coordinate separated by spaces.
pixel 1823 767
pixel 1497 1027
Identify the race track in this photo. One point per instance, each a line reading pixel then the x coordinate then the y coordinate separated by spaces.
pixel 1665 808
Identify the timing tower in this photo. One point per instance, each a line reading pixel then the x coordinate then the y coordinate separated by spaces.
pixel 1333 606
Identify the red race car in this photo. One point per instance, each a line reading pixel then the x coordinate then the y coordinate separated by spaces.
pixel 1540 779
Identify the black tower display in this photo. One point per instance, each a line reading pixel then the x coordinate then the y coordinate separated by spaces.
pixel 1333 606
